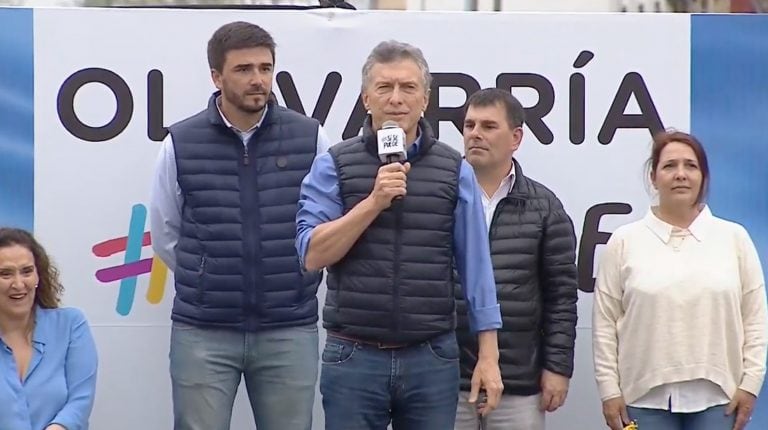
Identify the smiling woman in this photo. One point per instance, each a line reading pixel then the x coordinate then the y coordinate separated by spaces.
pixel 47 354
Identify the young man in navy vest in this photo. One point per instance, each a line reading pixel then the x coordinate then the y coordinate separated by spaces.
pixel 391 354
pixel 223 213
pixel 533 248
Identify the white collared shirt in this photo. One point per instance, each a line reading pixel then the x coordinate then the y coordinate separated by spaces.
pixel 245 136
pixel 679 315
pixel 490 203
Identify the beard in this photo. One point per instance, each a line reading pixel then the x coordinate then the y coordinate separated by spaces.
pixel 246 103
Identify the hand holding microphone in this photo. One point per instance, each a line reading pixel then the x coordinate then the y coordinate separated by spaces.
pixel 392 176
pixel 390 184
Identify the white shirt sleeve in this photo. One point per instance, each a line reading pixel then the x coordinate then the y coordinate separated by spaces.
pixel 754 315
pixel 165 205
pixel 606 311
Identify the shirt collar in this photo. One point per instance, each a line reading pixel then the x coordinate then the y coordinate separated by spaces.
pixel 229 124
pixel 414 148
pixel 663 230
pixel 505 186
pixel 509 180
pixel 41 335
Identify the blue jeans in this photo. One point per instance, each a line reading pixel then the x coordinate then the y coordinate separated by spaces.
pixel 414 388
pixel 658 419
pixel 280 369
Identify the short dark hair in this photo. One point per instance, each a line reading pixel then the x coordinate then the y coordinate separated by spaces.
pixel 49 288
pixel 664 138
pixel 237 35
pixel 494 96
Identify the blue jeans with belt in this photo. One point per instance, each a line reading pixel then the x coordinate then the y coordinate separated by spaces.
pixel 365 387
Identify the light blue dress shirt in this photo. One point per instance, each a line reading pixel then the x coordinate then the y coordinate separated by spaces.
pixel 320 202
pixel 60 383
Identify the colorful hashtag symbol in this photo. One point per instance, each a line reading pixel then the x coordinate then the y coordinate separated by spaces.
pixel 133 265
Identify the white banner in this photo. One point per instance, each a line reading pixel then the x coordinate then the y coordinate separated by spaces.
pixel 92 184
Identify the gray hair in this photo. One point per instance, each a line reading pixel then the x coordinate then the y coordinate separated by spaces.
pixel 391 51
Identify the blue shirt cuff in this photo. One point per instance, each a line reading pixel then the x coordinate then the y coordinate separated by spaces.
pixel 65 421
pixel 302 241
pixel 483 319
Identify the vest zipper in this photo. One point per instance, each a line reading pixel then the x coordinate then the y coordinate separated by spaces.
pixel 398 213
pixel 252 280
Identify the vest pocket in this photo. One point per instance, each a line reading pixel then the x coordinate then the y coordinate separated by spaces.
pixel 444 347
pixel 337 351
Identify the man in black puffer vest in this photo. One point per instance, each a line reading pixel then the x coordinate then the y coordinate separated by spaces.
pixel 533 248
pixel 391 355
pixel 223 219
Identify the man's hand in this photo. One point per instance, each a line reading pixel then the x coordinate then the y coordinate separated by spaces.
pixel 554 389
pixel 390 183
pixel 615 413
pixel 488 376
pixel 743 403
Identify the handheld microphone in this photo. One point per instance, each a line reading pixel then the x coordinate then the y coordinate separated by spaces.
pixel 391 142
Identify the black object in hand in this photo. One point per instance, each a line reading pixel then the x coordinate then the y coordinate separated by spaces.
pixel 482 399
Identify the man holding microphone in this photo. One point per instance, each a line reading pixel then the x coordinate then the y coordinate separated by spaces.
pixel 387 214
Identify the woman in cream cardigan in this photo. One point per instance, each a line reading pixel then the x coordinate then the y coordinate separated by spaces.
pixel 679 318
